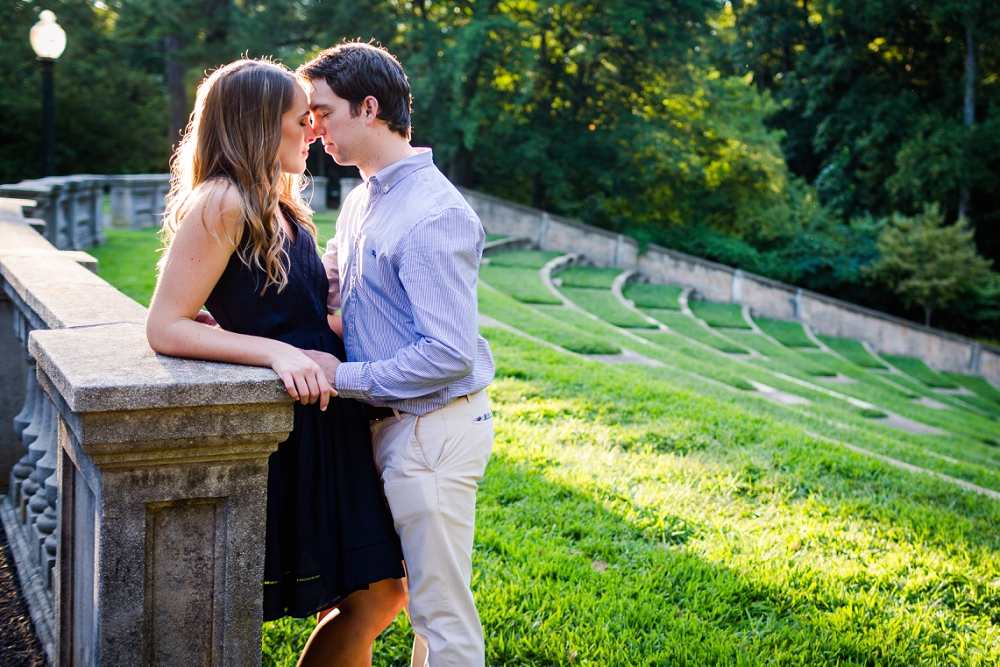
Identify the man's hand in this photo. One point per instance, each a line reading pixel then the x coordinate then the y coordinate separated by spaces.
pixel 327 362
pixel 205 317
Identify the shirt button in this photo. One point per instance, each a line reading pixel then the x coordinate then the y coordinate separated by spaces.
pixel 385 188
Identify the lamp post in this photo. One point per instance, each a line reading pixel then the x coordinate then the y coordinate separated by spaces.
pixel 49 41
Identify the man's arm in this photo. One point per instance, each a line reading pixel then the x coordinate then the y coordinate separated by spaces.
pixel 438 268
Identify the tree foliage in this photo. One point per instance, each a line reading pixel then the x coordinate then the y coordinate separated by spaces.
pixel 926 262
pixel 773 135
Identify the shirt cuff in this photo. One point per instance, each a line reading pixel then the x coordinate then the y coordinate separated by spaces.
pixel 348 379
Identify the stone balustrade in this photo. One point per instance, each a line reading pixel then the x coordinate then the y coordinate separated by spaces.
pixel 68 210
pixel 137 200
pixel 135 483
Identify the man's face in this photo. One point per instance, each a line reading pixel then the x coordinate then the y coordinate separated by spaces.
pixel 343 136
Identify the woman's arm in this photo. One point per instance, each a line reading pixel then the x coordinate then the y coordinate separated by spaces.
pixel 193 265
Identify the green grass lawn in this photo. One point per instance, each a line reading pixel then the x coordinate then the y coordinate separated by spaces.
pixel 976 384
pixel 588 276
pixel 527 259
pixel 495 237
pixel 647 295
pixel 788 359
pixel 689 328
pixel 852 350
pixel 604 304
pixel 918 370
pixel 501 307
pixel 128 260
pixel 723 315
pixel 522 283
pixel 787 333
pixel 652 516
pixel 326 225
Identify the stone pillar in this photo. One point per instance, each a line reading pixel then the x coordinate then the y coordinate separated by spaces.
pixel 137 200
pixel 162 473
pixel 315 192
pixel 346 185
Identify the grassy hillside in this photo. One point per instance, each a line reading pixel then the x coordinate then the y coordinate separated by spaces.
pixel 672 514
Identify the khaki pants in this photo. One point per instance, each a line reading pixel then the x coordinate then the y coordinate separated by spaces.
pixel 430 467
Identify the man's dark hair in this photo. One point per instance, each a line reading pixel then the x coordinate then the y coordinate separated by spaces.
pixel 355 70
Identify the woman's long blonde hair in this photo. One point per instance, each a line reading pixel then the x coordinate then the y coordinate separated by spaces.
pixel 233 138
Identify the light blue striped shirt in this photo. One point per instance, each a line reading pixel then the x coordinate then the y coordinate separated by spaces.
pixel 403 268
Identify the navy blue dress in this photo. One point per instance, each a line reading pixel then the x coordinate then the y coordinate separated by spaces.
pixel 329 531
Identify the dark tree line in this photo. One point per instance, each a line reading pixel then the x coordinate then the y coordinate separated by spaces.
pixel 779 136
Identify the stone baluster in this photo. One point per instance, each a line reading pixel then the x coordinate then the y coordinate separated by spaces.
pixel 47 524
pixel 23 479
pixel 41 446
pixel 23 469
pixel 23 418
pixel 39 501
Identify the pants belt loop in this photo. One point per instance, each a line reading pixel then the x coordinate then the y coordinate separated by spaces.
pixel 396 412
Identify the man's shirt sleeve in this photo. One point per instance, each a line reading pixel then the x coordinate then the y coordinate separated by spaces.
pixel 438 269
pixel 330 263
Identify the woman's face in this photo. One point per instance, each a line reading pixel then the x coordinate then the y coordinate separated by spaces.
pixel 296 135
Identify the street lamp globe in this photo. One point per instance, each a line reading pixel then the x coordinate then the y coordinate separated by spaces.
pixel 48 39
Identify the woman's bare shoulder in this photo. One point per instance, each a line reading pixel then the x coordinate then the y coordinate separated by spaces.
pixel 219 206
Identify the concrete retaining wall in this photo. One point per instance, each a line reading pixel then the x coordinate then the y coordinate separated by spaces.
pixel 941 350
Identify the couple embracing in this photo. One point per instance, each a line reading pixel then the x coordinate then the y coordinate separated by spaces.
pixel 392 428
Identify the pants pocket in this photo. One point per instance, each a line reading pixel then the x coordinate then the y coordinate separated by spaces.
pixel 430 439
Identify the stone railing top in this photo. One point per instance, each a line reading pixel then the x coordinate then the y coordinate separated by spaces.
pixel 56 285
pixel 111 367
pixel 45 185
pixel 133 178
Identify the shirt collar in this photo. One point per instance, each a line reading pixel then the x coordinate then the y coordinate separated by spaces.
pixel 388 177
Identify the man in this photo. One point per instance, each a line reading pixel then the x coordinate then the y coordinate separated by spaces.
pixel 403 269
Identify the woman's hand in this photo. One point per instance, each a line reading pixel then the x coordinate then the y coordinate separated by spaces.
pixel 305 381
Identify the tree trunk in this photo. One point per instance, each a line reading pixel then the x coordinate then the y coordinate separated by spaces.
pixel 969 110
pixel 539 193
pixel 928 307
pixel 460 169
pixel 173 46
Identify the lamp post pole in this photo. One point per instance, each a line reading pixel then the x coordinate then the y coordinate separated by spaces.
pixel 48 41
pixel 48 118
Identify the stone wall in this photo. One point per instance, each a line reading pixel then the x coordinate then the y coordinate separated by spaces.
pixel 136 483
pixel 941 350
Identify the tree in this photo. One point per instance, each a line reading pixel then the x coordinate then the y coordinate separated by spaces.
pixel 926 262
pixel 108 111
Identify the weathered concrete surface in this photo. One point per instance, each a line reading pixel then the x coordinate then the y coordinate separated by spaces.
pixel 137 200
pixel 111 368
pixel 553 232
pixel 712 281
pixel 161 554
pixel 157 482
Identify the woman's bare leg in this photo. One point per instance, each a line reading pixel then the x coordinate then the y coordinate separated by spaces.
pixel 345 639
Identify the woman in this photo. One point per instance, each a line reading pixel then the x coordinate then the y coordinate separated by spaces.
pixel 240 240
